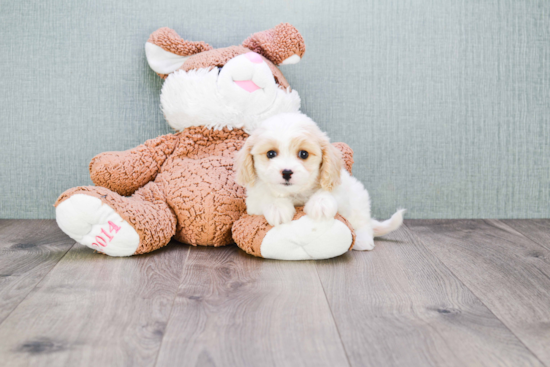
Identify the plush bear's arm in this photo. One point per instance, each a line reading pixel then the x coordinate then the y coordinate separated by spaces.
pixel 347 155
pixel 125 172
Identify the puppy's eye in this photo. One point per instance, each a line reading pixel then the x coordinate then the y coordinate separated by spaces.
pixel 271 154
pixel 303 154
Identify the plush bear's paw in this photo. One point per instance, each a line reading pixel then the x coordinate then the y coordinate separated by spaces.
pixel 87 220
pixel 306 239
pixel 364 239
pixel 301 239
pixel 321 206
pixel 279 213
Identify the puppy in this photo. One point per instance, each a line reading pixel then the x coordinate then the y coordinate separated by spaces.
pixel 288 161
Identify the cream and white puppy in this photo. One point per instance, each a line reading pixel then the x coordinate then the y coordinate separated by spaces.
pixel 288 161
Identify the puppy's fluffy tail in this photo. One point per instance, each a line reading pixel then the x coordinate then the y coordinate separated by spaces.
pixel 387 226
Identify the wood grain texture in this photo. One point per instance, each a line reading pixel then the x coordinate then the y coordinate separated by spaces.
pixel 507 271
pixel 447 293
pixel 236 310
pixel 537 230
pixel 95 310
pixel 400 306
pixel 28 251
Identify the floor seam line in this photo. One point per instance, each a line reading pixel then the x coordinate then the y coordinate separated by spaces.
pixel 332 315
pixel 37 283
pixel 172 306
pixel 523 234
pixel 410 230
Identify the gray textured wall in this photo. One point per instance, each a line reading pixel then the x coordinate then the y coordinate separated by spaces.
pixel 446 103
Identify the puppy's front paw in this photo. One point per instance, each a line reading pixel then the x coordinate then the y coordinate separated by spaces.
pixel 276 214
pixel 321 205
pixel 364 240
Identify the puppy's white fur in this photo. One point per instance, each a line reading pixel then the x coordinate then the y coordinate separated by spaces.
pixel 319 182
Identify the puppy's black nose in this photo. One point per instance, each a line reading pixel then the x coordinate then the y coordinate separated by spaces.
pixel 286 174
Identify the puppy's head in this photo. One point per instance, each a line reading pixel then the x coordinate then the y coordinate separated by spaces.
pixel 290 154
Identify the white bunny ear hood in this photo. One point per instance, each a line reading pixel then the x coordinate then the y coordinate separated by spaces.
pixel 211 98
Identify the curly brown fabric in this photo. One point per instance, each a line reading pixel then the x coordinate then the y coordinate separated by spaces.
pixel 200 186
pixel 250 230
pixel 170 41
pixel 347 155
pixel 206 199
pixel 194 168
pixel 125 172
pixel 277 44
pixel 201 142
pixel 213 58
pixel 146 211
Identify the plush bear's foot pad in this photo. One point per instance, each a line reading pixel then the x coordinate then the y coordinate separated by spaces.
pixel 307 239
pixel 301 239
pixel 90 222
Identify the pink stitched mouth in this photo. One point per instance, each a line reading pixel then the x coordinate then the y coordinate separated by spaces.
pixel 247 85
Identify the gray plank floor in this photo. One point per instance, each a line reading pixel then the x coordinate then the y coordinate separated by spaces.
pixel 434 293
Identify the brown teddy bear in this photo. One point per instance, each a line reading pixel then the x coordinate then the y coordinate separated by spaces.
pixel 182 185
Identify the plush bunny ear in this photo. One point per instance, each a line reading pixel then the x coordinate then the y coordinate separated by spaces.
pixel 282 45
pixel 166 51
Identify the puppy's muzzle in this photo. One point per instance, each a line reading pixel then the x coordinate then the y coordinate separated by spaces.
pixel 287 174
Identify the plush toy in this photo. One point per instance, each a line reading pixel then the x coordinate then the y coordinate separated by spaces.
pixel 181 185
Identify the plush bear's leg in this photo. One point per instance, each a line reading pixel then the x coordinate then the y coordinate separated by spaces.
pixel 113 224
pixel 301 239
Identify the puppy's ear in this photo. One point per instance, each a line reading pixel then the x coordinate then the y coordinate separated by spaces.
pixel 331 166
pixel 244 165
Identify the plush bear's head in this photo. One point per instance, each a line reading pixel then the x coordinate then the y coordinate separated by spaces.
pixel 234 87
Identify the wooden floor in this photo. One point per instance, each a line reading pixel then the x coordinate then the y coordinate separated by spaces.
pixel 434 293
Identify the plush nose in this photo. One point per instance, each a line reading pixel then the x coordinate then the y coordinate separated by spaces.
pixel 286 174
pixel 254 57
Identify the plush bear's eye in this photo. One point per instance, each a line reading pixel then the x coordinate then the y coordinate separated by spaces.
pixel 271 154
pixel 303 154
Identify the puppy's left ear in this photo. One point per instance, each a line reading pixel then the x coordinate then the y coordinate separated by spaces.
pixel 244 165
pixel 331 166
